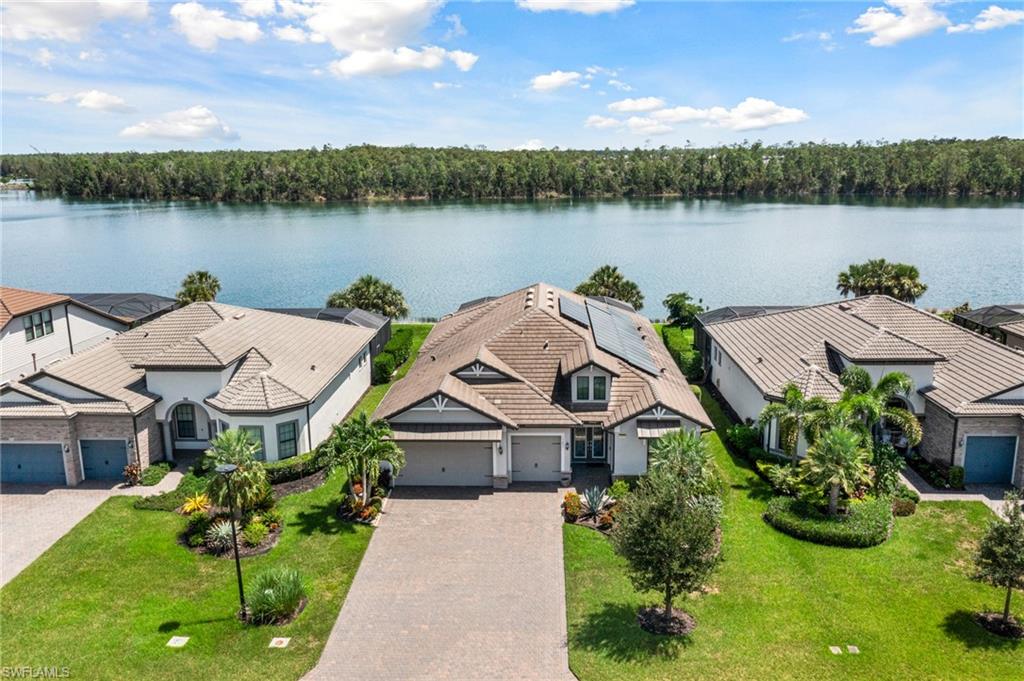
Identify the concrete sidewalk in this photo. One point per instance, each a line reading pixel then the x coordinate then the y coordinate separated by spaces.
pixel 990 495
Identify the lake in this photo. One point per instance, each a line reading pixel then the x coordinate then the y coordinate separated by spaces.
pixel 440 255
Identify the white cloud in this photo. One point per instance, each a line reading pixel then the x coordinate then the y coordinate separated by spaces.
pixel 457 30
pixel 823 38
pixel 370 26
pixel 441 85
pixel 990 18
pixel 96 100
pixel 292 34
pixel 911 19
pixel 91 55
pixel 601 71
pixel 601 122
pixel 256 8
pixel 580 6
pixel 389 62
pixel 554 80
pixel 642 125
pixel 531 145
pixel 55 98
pixel 752 113
pixel 619 85
pixel 43 57
pixel 67 21
pixel 194 123
pixel 204 27
pixel 636 105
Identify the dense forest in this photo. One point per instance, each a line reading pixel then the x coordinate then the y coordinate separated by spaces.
pixel 993 167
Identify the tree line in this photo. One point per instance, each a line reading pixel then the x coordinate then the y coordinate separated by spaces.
pixel 950 167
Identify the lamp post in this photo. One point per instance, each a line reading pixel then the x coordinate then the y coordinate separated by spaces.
pixel 227 470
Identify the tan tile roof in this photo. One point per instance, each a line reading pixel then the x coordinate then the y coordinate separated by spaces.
pixel 523 335
pixel 15 302
pixel 405 432
pixel 652 430
pixel 776 349
pixel 1014 327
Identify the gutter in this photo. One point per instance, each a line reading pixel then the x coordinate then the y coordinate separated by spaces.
pixel 309 429
pixel 67 321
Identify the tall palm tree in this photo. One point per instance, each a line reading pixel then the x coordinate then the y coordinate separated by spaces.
pixel 791 414
pixel 370 293
pixel 837 460
pixel 872 402
pixel 360 446
pixel 685 454
pixel 606 280
pixel 248 484
pixel 198 286
pixel 898 280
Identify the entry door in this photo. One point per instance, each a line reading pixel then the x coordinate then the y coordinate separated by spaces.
pixel 588 445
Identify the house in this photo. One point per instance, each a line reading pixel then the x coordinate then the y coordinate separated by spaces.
pixel 171 385
pixel 37 328
pixel 533 386
pixel 354 316
pixel 1004 323
pixel 131 308
pixel 702 341
pixel 969 390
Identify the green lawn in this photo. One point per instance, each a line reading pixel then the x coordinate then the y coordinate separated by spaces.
pixel 376 393
pixel 105 599
pixel 777 603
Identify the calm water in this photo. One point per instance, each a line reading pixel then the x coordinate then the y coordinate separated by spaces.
pixel 441 255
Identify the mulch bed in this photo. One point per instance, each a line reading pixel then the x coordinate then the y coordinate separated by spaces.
pixel 993 623
pixel 652 620
pixel 244 551
pixel 589 522
pixel 310 482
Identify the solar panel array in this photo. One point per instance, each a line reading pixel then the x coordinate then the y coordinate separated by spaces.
pixel 616 333
pixel 570 309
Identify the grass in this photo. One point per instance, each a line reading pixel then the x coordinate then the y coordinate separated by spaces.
pixel 776 603
pixel 376 393
pixel 154 473
pixel 104 600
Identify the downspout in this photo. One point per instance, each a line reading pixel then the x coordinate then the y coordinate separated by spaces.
pixel 67 321
pixel 135 435
pixel 952 452
pixel 309 429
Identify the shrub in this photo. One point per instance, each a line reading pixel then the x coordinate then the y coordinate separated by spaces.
pixel 198 523
pixel 218 536
pixel 271 518
pixel 937 473
pixel 956 477
pixel 196 540
pixel 618 490
pixel 383 368
pixel 782 478
pixel 887 463
pixel 594 499
pixel 865 524
pixel 904 492
pixel 156 472
pixel 132 474
pixel 294 467
pixel 743 438
pixel 191 484
pixel 680 347
pixel 696 391
pixel 254 534
pixel 400 345
pixel 605 519
pixel 197 503
pixel 572 505
pixel 903 507
pixel 274 595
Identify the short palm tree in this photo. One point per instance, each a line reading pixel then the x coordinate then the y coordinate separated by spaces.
pixel 370 293
pixel 898 280
pixel 608 281
pixel 685 454
pixel 839 461
pixel 248 485
pixel 360 446
pixel 197 287
pixel 791 414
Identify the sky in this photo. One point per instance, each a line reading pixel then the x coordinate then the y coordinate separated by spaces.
pixel 119 75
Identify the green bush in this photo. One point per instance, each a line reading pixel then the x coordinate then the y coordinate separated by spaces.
pixel 618 490
pixel 219 536
pixel 190 485
pixel 294 467
pixel 198 523
pixel 254 534
pixel 274 595
pixel 903 507
pixel 887 463
pixel 383 368
pixel 696 391
pixel 743 438
pixel 680 346
pixel 938 474
pixel 156 472
pixel 400 345
pixel 866 523
pixel 904 492
pixel 956 477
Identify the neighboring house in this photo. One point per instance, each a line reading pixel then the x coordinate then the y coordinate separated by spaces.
pixel 38 328
pixel 172 384
pixel 532 385
pixel 131 308
pixel 702 341
pixel 354 316
pixel 1004 323
pixel 969 390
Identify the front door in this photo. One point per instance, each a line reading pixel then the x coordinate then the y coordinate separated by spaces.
pixel 588 445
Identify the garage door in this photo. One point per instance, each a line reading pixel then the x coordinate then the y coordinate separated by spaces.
pixel 989 459
pixel 446 463
pixel 36 464
pixel 536 458
pixel 104 459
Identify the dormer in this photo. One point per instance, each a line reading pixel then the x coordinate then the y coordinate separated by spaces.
pixel 591 385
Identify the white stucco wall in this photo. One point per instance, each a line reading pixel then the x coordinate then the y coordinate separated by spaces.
pixel 16 353
pixel 631 452
pixel 592 371
pixel 189 386
pixel 743 396
pixel 89 328
pixel 429 411
pixel 59 387
pixel 921 374
pixel 338 398
pixel 269 425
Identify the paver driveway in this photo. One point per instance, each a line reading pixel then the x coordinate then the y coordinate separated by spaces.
pixel 457 584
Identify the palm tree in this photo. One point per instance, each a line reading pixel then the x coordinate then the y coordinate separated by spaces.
pixel 872 402
pixel 682 310
pixel 360 446
pixel 837 460
pixel 791 414
pixel 249 481
pixel 370 293
pixel 685 454
pixel 606 280
pixel 197 287
pixel 898 280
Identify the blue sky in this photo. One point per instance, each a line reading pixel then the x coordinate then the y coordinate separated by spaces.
pixel 260 74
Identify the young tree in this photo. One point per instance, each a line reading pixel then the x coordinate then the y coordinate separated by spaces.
pixel 686 455
pixel 791 415
pixel 248 483
pixel 360 446
pixel 608 281
pixel 370 293
pixel 1000 558
pixel 872 402
pixel 838 460
pixel 197 287
pixel 898 280
pixel 669 536
pixel 681 308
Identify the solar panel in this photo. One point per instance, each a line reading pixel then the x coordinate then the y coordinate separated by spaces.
pixel 615 332
pixel 570 309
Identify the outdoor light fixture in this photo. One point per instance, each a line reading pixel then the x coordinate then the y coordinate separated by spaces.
pixel 227 470
pixel 501 450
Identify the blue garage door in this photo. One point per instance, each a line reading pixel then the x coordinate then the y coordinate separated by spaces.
pixel 104 459
pixel 989 459
pixel 36 464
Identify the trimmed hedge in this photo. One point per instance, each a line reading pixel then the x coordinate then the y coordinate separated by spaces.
pixel 866 524
pixel 383 368
pixel 294 467
pixel 685 355
pixel 400 345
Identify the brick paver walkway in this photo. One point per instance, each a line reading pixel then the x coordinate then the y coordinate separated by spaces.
pixel 457 584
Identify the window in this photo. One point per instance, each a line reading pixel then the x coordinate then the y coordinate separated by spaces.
pixel 583 387
pixel 256 433
pixel 287 439
pixel 185 421
pixel 38 324
pixel 600 388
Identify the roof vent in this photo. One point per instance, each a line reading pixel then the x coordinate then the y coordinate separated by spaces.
pixel 433 359
pixel 845 307
pixel 238 315
pixel 545 345
pixel 759 360
pixel 312 367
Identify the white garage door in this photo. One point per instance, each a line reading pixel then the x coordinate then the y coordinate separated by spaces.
pixel 458 464
pixel 536 458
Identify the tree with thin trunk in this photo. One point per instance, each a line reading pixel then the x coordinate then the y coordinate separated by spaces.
pixel 198 287
pixel 895 279
pixel 370 293
pixel 686 455
pixel 608 281
pixel 791 414
pixel 682 309
pixel 1000 558
pixel 360 446
pixel 865 403
pixel 838 461
pixel 249 483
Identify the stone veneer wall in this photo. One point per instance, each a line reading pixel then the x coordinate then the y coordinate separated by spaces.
pixel 940 429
